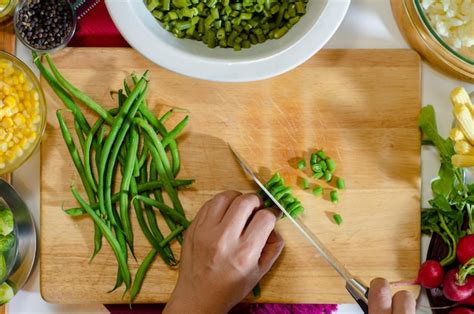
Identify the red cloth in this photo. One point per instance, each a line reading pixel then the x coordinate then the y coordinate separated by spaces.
pixel 97 29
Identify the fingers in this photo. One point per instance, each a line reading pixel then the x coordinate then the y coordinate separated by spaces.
pixel 380 297
pixel 218 206
pixel 271 251
pixel 239 212
pixel 260 227
pixel 403 303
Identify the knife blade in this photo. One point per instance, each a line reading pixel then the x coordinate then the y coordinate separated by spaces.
pixel 356 288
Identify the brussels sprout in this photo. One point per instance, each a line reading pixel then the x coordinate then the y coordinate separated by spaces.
pixel 7 242
pixel 6 293
pixel 6 220
pixel 3 267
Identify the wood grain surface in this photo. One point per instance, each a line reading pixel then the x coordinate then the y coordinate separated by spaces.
pixel 361 106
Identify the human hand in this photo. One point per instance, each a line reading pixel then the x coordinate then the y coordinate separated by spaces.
pixel 382 302
pixel 227 249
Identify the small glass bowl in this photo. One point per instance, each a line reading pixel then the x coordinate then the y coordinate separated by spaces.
pixel 42 108
pixel 66 40
pixel 7 12
pixel 420 34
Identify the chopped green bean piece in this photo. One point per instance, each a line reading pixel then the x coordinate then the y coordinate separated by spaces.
pixel 340 183
pixel 331 164
pixel 301 164
pixel 322 154
pixel 305 184
pixel 337 219
pixel 317 190
pixel 334 196
pixel 327 176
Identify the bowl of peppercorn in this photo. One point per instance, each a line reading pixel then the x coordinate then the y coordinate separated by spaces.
pixel 45 25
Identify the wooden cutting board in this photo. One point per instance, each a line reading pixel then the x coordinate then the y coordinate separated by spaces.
pixel 361 106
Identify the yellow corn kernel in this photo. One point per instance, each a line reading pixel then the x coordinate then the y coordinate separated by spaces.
pixel 459 96
pixel 3 134
pixel 16 140
pixel 21 78
pixel 5 64
pixel 456 134
pixel 10 101
pixel 7 122
pixel 10 156
pixel 2 165
pixel 23 143
pixel 19 120
pixel 463 161
pixel 463 148
pixel 8 71
pixel 465 122
pixel 32 137
pixel 3 147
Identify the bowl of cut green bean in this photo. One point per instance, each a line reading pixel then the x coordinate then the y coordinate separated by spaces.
pixel 228 40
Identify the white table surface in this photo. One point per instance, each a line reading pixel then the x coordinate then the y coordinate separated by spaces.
pixel 368 24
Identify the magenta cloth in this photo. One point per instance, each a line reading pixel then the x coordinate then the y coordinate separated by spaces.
pixel 97 29
pixel 239 309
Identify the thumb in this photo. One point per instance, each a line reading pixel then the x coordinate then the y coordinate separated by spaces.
pixel 271 251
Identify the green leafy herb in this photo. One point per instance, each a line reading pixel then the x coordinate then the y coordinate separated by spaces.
pixel 453 200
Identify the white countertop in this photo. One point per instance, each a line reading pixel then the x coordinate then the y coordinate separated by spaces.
pixel 368 24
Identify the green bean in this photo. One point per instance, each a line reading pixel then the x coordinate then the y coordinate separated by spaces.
pixel 74 155
pixel 321 154
pixel 97 242
pixel 331 165
pixel 174 234
pixel 305 184
pixel 125 185
pixel 327 176
pixel 337 219
pixel 79 94
pixel 161 160
pixel 149 186
pixel 111 163
pixel 114 244
pixel 317 190
pixel 340 183
pixel 140 275
pixel 301 164
pixel 142 223
pixel 159 197
pixel 333 196
pixel 108 145
pixel 80 135
pixel 61 93
pixel 166 115
pixel 178 218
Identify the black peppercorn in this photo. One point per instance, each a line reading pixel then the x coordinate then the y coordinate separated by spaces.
pixel 45 24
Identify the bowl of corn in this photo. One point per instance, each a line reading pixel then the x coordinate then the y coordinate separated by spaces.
pixel 22 112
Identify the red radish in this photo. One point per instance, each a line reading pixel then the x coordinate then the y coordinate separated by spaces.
pixel 431 274
pixel 461 310
pixel 453 291
pixel 465 249
pixel 468 301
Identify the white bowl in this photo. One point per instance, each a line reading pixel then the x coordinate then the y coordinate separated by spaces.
pixel 193 58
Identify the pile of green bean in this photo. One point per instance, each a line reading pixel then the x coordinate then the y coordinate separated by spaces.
pixel 130 143
pixel 284 195
pixel 233 24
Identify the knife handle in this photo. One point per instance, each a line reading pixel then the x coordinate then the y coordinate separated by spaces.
pixel 360 293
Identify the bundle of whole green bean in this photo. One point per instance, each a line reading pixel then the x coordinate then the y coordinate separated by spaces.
pixel 228 23
pixel 131 144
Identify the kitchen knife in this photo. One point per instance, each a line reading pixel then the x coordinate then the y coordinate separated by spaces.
pixel 356 289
